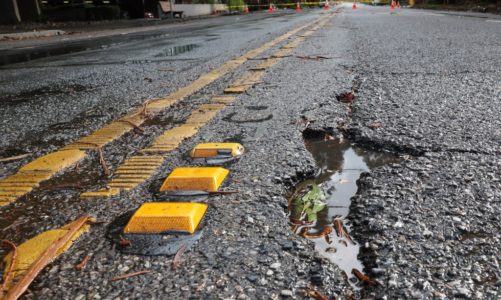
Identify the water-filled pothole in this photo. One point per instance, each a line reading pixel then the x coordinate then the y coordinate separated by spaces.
pixel 340 164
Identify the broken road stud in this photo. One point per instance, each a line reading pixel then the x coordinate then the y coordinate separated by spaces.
pixel 162 228
pixel 194 179
pixel 215 153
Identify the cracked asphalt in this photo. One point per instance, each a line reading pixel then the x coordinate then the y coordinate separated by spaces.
pixel 428 226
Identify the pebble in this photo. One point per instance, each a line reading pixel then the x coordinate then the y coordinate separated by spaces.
pixel 286 293
pixel 275 266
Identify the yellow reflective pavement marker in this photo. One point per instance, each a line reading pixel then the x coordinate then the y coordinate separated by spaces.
pixel 195 179
pixel 166 216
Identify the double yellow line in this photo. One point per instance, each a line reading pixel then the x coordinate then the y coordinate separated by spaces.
pixel 31 175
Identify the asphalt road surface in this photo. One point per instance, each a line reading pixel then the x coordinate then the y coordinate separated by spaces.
pixel 426 89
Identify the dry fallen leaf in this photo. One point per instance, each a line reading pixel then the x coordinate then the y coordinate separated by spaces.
pixel 375 125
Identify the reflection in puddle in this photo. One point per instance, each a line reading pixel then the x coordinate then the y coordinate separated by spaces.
pixel 341 164
pixel 176 50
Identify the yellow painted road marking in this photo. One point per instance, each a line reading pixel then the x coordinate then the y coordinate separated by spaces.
pixel 55 161
pixel 170 139
pixel 30 175
pixel 226 99
pixel 60 160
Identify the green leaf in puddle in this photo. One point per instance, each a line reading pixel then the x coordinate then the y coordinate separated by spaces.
pixel 309 204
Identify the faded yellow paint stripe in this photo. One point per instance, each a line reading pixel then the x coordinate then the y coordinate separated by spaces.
pixel 156 158
pixel 226 99
pixel 101 193
pixel 122 185
pixel 42 168
pixel 142 172
pixel 133 176
pixel 32 184
pixel 25 189
pixel 247 80
pixel 55 162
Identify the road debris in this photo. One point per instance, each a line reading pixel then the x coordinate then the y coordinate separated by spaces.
pixel 106 171
pixel 340 230
pixel 308 292
pixel 125 243
pixel 346 97
pixel 136 128
pixel 128 275
pixel 309 204
pixel 38 252
pixel 8 273
pixel 16 157
pixel 325 232
pixel 375 125
pixel 83 263
pixel 364 278
pixel 177 258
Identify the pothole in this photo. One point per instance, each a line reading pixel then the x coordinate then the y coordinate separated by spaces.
pixel 340 165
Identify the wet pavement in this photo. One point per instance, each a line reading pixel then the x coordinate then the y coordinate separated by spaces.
pixel 426 91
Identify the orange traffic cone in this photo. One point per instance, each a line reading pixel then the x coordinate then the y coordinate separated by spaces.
pixel 354 5
pixel 398 4
pixel 246 9
pixel 271 8
pixel 298 6
pixel 326 5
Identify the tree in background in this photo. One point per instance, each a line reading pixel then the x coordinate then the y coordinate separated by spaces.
pixel 236 5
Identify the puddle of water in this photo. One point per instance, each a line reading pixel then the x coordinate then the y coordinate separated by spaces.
pixel 172 51
pixel 340 167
